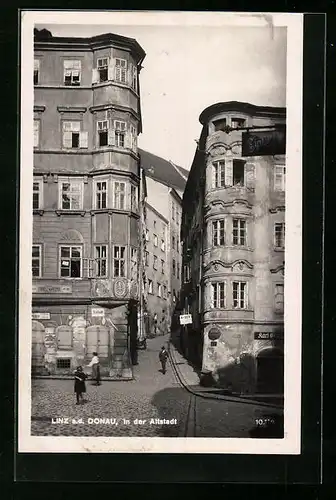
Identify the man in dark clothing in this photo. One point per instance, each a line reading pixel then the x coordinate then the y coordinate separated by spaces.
pixel 163 356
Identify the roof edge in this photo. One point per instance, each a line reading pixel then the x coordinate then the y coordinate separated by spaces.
pixel 243 107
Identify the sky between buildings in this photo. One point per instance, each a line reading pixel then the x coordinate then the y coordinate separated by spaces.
pixel 188 68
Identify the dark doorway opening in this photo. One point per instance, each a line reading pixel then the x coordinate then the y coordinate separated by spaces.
pixel 270 372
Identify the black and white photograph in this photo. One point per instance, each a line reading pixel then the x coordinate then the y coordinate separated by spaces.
pixel 160 232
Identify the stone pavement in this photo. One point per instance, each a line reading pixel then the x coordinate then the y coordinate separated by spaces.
pixel 150 396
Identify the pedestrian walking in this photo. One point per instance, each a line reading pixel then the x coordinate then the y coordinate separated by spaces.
pixel 163 356
pixel 95 365
pixel 80 387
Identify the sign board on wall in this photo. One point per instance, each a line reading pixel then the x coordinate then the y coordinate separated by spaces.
pixel 97 312
pixel 185 319
pixel 268 336
pixel 52 289
pixel 42 315
pixel 264 142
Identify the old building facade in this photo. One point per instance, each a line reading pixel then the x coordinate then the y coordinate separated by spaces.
pixel 233 260
pixel 165 185
pixel 156 268
pixel 87 118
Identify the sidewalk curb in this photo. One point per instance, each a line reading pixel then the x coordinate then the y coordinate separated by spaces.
pixel 218 397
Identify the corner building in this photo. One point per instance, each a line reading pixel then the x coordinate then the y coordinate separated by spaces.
pixel 87 117
pixel 233 263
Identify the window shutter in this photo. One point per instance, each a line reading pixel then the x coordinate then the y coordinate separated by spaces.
pixel 249 175
pixel 128 140
pixel 64 337
pixel 130 75
pixel 84 140
pixel 111 138
pixel 225 289
pixel 95 75
pixel 213 176
pixel 228 172
pixel 111 69
pixel 67 139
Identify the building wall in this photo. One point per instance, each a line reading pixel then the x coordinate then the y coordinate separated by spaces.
pixel 69 301
pixel 157 272
pixel 239 342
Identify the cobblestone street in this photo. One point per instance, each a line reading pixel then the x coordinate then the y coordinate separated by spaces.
pixel 151 395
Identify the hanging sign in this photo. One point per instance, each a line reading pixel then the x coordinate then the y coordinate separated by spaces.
pixel 264 142
pixel 97 312
pixel 185 319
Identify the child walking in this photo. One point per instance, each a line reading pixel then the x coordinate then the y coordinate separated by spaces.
pixel 80 388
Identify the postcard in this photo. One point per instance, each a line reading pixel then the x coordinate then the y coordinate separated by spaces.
pixel 161 234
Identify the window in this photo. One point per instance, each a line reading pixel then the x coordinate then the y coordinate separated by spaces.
pixel 119 263
pixel 218 295
pixel 134 263
pixel 279 297
pixel 119 195
pixel 70 262
pixel 102 127
pixel 36 133
pixel 173 242
pixel 162 266
pixel 186 273
pixel 177 244
pixel 219 174
pixel 239 294
pixel 220 124
pixel 173 210
pixel 71 195
pixel 178 271
pixel 279 235
pixel 279 178
pixel 73 137
pixel 174 267
pixel 159 290
pixel 238 122
pixel 120 132
pixel 101 261
pixel 72 73
pixel 147 235
pixel 102 66
pixel 121 70
pixel 177 217
pixel 154 224
pixel 150 286
pixel 134 77
pixel 163 245
pixel 133 133
pixel 63 363
pixel 36 71
pixel 239 232
pixel 101 194
pixel 146 258
pixel 155 259
pixel 155 240
pixel 218 232
pixel 164 291
pixel 36 261
pixel 37 195
pixel 174 296
pixel 238 172
pixel 134 198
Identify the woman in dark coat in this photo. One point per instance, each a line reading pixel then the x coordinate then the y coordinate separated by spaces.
pixel 80 388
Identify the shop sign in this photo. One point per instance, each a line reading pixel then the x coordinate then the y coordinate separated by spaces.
pixel 97 312
pixel 52 289
pixel 214 334
pixel 264 142
pixel 42 315
pixel 185 319
pixel 268 336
